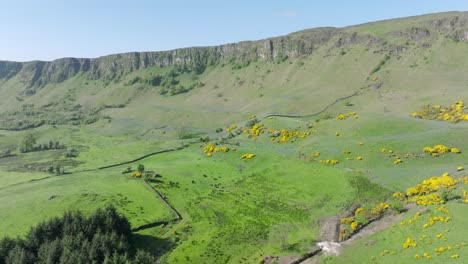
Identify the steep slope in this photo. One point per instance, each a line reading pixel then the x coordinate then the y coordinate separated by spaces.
pixel 388 61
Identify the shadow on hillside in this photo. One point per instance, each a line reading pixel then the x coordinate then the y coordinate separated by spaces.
pixel 152 244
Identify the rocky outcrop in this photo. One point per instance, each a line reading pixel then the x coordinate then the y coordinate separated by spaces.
pixel 303 43
pixel 38 73
pixel 9 69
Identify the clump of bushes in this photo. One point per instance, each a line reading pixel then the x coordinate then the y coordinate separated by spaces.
pixel 381 63
pixel 169 83
pixel 28 144
pixel 58 170
pixel 71 153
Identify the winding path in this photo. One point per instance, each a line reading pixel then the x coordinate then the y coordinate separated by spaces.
pixel 314 114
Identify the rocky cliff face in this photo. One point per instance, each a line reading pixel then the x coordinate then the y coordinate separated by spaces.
pixel 39 73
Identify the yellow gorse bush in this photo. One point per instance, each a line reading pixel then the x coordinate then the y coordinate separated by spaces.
pixel 350 225
pixel 344 116
pixel 354 225
pixel 231 128
pixel 440 149
pixel 247 156
pixel 409 243
pixel 330 162
pixel 254 131
pixel 431 185
pixel 211 147
pixel 399 195
pixel 465 195
pixel 347 220
pixel 359 210
pixel 429 199
pixel 285 135
pixel 380 208
pixel 454 113
pixel 434 219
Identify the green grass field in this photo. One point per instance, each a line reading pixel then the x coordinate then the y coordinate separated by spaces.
pixel 241 210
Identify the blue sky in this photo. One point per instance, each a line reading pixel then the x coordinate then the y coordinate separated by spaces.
pixel 51 29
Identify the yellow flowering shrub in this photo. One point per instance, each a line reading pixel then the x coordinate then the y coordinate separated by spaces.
pixel 431 185
pixel 465 195
pixel 354 225
pixel 455 150
pixel 441 149
pixel 359 210
pixel 231 128
pixel 409 243
pixel 211 147
pixel 440 250
pixel 464 179
pixel 399 195
pixel 344 116
pixel 330 162
pixel 285 135
pixel 379 209
pixel 442 209
pixel 454 113
pixel 434 219
pixel 429 199
pixel 347 220
pixel 247 156
pixel 344 234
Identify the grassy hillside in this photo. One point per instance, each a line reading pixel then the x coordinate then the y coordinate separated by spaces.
pixel 195 206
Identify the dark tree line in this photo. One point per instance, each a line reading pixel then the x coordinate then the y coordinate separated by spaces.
pixel 28 144
pixel 103 237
